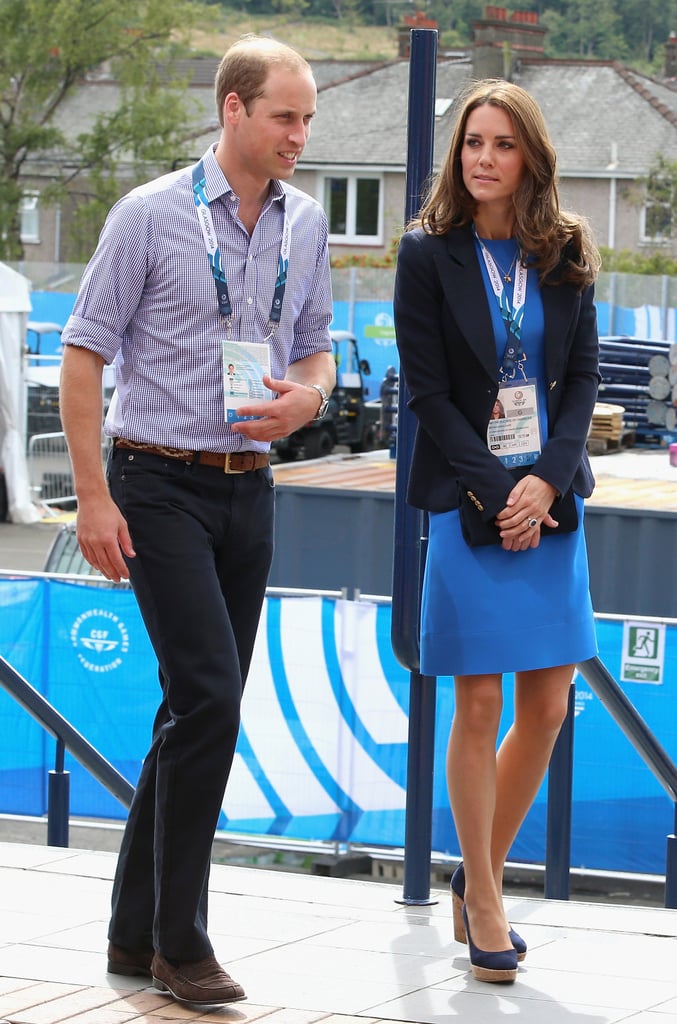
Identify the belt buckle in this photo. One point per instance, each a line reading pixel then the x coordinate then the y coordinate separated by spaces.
pixel 226 463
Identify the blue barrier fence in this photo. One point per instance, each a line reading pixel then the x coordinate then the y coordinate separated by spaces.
pixel 322 751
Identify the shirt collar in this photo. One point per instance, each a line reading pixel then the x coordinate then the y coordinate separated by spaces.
pixel 218 185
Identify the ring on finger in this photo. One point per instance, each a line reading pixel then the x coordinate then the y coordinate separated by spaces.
pixel 531 523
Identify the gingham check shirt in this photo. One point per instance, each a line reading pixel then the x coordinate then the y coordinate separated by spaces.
pixel 148 303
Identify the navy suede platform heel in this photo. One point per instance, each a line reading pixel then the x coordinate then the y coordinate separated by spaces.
pixel 498 967
pixel 458 898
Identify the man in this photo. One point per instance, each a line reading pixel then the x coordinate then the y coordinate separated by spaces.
pixel 187 266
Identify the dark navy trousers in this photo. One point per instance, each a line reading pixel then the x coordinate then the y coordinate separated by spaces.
pixel 204 544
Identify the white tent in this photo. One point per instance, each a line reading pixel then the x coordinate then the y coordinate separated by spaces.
pixel 15 305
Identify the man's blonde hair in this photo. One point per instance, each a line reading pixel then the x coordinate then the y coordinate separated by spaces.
pixel 245 66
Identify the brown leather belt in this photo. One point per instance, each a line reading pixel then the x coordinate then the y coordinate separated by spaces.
pixel 228 462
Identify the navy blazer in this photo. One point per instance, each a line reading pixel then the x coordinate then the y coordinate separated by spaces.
pixel 448 358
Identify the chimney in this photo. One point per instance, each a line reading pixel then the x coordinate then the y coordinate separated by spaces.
pixel 500 40
pixel 671 56
pixel 409 21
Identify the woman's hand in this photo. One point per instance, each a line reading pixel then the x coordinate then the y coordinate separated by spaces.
pixel 526 510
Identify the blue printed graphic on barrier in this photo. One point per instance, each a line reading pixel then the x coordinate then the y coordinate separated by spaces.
pixel 322 751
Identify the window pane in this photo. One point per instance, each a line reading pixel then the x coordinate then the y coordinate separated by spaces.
pixel 366 215
pixel 30 223
pixel 658 221
pixel 659 188
pixel 336 204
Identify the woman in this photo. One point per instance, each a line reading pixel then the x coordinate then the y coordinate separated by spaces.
pixel 494 302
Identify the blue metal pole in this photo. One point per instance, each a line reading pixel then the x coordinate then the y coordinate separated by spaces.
pixel 409 541
pixel 671 868
pixel 560 794
pixel 58 800
pixel 418 820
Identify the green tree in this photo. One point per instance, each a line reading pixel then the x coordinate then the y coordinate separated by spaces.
pixel 47 47
pixel 646 25
pixel 584 28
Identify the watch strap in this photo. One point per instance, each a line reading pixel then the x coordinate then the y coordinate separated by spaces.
pixel 323 404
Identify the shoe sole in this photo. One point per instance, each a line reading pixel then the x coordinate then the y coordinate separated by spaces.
pixel 486 974
pixel 162 986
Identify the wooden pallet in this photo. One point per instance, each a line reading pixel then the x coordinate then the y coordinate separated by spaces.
pixel 608 445
pixel 607 422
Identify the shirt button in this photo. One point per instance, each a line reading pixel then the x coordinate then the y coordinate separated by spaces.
pixel 249 301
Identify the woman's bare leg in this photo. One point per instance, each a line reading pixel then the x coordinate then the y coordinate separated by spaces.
pixel 540 708
pixel 472 782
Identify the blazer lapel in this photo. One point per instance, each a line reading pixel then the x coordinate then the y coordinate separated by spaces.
pixel 558 305
pixel 461 280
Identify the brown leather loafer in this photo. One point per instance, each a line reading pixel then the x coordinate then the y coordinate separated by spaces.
pixel 202 981
pixel 124 961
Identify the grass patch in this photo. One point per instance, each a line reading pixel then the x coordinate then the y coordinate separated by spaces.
pixel 316 39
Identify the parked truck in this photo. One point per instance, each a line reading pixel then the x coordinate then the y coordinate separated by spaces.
pixel 350 419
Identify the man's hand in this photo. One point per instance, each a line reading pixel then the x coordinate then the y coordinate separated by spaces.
pixel 101 529
pixel 295 406
pixel 103 537
pixel 526 510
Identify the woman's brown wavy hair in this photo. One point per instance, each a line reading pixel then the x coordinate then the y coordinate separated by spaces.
pixel 554 239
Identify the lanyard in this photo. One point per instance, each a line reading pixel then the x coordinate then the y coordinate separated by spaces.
pixel 514 355
pixel 204 216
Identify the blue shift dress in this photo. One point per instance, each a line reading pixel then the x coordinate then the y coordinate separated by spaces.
pixel 486 610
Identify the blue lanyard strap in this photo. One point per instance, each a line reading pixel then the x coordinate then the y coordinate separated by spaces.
pixel 282 270
pixel 204 216
pixel 512 315
pixel 513 354
pixel 213 252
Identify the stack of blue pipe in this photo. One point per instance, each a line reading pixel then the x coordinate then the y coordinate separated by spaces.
pixel 635 374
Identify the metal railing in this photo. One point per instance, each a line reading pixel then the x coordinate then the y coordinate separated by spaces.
pixel 67 736
pixel 49 471
pixel 417 845
pixel 50 474
pixel 560 780
pixel 67 739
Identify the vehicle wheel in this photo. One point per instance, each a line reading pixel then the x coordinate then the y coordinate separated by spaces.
pixel 369 440
pixel 286 454
pixel 318 443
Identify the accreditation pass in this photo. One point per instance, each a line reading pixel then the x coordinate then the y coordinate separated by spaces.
pixel 513 434
pixel 244 365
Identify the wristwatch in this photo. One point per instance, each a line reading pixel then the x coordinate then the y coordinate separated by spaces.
pixel 323 404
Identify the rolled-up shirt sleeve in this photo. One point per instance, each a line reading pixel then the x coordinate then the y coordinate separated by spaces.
pixel 113 282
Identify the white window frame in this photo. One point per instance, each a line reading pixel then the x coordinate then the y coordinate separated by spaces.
pixel 30 215
pixel 353 176
pixel 645 237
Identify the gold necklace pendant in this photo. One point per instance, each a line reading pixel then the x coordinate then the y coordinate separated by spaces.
pixel 505 274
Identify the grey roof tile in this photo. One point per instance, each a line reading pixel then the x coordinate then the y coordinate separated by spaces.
pixel 588 106
pixel 362 113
